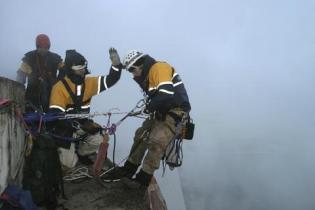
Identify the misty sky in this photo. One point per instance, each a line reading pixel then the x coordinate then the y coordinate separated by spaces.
pixel 248 67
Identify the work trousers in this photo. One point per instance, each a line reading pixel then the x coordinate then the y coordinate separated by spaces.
pixel 88 146
pixel 153 136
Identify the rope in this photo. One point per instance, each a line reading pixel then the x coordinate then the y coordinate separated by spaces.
pixel 30 118
pixel 176 157
pixel 81 172
pixel 114 149
pixel 64 138
pixel 77 173
pixel 111 130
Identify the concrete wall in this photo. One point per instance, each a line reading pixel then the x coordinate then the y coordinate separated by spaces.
pixel 12 135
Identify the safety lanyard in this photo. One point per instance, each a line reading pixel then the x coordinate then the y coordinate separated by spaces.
pixel 77 100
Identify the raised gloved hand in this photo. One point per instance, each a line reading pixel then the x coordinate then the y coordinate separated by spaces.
pixel 114 57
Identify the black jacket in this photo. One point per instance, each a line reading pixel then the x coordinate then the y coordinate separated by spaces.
pixel 42 77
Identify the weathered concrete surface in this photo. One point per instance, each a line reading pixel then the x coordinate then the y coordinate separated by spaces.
pixel 12 134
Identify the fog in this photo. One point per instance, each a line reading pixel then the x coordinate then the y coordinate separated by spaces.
pixel 248 67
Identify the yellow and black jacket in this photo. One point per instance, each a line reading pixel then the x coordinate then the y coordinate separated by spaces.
pixel 163 86
pixel 79 99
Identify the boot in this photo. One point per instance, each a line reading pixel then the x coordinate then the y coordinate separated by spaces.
pixel 141 181
pixel 128 170
pixel 143 178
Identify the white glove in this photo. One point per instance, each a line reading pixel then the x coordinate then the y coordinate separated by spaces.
pixel 114 57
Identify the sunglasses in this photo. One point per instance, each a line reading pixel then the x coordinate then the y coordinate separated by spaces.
pixel 78 67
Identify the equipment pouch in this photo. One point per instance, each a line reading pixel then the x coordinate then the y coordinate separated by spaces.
pixel 188 130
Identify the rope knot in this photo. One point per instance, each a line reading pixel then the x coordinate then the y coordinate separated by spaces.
pixel 112 129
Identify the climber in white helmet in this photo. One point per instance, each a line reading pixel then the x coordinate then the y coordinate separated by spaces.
pixel 168 102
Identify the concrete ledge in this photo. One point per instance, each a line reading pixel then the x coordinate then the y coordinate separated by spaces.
pixel 12 134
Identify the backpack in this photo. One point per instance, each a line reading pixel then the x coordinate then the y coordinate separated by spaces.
pixel 42 172
pixel 14 198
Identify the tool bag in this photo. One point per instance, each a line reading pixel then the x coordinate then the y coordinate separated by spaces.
pixel 42 172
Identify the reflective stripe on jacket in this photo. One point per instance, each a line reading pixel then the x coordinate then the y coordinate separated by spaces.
pixel 166 89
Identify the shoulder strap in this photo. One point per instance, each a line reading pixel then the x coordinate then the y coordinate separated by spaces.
pixel 77 100
pixel 41 65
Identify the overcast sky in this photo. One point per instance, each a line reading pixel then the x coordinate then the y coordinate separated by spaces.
pixel 248 67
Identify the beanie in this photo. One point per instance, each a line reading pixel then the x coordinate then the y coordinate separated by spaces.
pixel 73 58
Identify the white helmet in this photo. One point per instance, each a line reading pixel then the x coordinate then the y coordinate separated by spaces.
pixel 132 57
